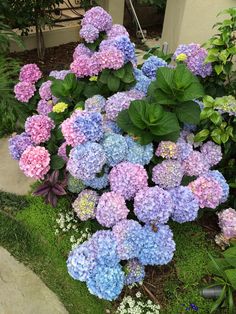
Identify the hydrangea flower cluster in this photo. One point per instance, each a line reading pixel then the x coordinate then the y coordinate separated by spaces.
pixel 39 128
pixel 44 107
pixel 168 174
pixel 30 73
pixel 96 103
pixel 227 223
pixel 135 272
pixel 18 144
pixel 195 59
pixel 85 204
pixel 151 65
pixel 24 91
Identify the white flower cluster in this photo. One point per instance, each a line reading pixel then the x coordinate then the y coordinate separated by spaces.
pixel 67 222
pixel 131 305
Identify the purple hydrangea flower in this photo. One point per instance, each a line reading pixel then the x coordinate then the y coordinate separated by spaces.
pixel 110 127
pixel 96 103
pixel 184 149
pixel 212 153
pixel 227 223
pixel 62 151
pixel 127 179
pixel 111 209
pixel 167 149
pixel 89 33
pixel 128 234
pixel 81 49
pixel 124 44
pixel 151 65
pixel 18 144
pixel 106 282
pixel 44 107
pixel 185 204
pixel 24 91
pixel 116 103
pixel 85 204
pixel 195 164
pixel 99 182
pixel 59 75
pixel 99 18
pixel 153 205
pixel 168 174
pixel 45 90
pixel 30 73
pixel 86 160
pixel 135 272
pixel 117 30
pixel 157 246
pixel 215 174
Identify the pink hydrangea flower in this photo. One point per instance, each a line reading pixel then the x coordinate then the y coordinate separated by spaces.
pixel 127 179
pixel 62 151
pixel 24 91
pixel 111 58
pixel 72 136
pixel 45 90
pixel 207 191
pixel 117 30
pixel 35 161
pixel 195 164
pixel 81 49
pixel 30 73
pixel 227 223
pixel 89 33
pixel 39 128
pixel 84 66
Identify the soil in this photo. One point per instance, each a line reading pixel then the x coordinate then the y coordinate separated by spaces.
pixel 56 58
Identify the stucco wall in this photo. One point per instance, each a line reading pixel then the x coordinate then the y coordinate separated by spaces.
pixel 189 21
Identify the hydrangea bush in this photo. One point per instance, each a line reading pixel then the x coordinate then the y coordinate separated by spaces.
pixel 131 187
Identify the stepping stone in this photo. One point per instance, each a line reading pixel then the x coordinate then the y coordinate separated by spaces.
pixel 22 292
pixel 12 179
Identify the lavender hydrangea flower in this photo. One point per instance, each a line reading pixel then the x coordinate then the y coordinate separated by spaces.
pixel 89 33
pixel 86 160
pixel 150 66
pixel 45 90
pixel 117 30
pixel 18 144
pixel 96 103
pixel 185 204
pixel 115 104
pixel 184 149
pixel 207 191
pixel 124 44
pixel 215 174
pixel 99 18
pixel 90 125
pixel 135 94
pixel 59 75
pixel 110 127
pixel 127 179
pixel 30 73
pixel 81 49
pixel 85 204
pixel 106 282
pixel 153 205
pixel 212 153
pixel 116 148
pixel 138 154
pixel 128 234
pixel 142 81
pixel 75 185
pixel 24 91
pixel 44 107
pixel 157 247
pixel 81 261
pixel 167 149
pixel 135 272
pixel 99 182
pixel 105 246
pixel 111 209
pixel 168 174
pixel 227 223
pixel 195 164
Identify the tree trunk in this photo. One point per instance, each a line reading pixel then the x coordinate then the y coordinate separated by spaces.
pixel 40 42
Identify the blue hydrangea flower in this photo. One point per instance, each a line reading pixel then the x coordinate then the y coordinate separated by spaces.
pixel 218 176
pixel 150 66
pixel 106 282
pixel 185 204
pixel 128 234
pixel 81 261
pixel 18 144
pixel 86 160
pixel 105 246
pixel 135 272
pixel 124 44
pixel 90 125
pixel 142 81
pixel 116 148
pixel 99 182
pixel 157 246
pixel 139 154
pixel 110 126
pixel 96 103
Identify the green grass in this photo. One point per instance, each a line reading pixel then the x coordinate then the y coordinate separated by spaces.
pixel 30 236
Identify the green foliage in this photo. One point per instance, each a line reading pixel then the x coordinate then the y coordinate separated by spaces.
pixel 148 122
pixel 221 53
pixel 224 271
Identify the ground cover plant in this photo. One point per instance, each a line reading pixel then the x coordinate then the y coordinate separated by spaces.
pixel 119 141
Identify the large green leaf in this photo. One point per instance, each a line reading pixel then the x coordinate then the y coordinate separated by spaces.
pixel 136 112
pixel 162 98
pixel 188 112
pixel 231 275
pixel 168 124
pixel 194 91
pixel 126 124
pixel 153 114
pixel 57 162
pixel 230 256
pixel 113 83
pixel 165 79
pixel 182 76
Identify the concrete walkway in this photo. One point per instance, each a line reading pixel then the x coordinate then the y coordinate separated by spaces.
pixel 12 178
pixel 22 292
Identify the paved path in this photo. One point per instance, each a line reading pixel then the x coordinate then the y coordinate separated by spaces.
pixel 22 292
pixel 11 177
